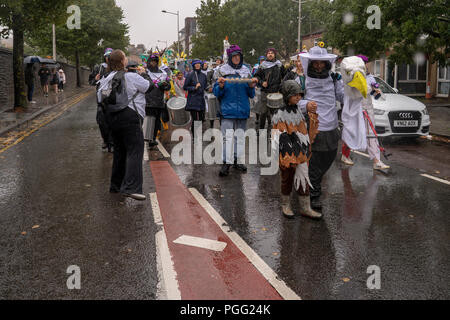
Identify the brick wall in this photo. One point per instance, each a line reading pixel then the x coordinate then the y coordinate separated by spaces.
pixel 6 79
pixel 6 82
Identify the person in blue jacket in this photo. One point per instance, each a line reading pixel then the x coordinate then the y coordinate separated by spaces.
pixel 235 105
pixel 195 85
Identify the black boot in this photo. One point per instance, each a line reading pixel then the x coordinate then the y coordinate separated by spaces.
pixel 316 203
pixel 225 171
pixel 239 167
pixel 152 144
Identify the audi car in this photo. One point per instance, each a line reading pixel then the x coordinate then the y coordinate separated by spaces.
pixel 399 115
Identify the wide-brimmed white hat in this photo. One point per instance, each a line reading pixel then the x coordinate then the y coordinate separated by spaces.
pixel 316 53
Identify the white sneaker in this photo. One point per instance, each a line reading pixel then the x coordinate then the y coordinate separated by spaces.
pixel 347 161
pixel 380 166
pixel 32 102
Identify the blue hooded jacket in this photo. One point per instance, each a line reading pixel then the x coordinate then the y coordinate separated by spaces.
pixel 234 97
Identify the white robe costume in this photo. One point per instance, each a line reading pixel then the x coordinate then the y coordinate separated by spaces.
pixel 354 132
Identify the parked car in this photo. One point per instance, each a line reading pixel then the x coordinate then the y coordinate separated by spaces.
pixel 399 115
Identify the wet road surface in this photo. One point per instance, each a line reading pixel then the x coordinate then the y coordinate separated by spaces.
pixel 58 179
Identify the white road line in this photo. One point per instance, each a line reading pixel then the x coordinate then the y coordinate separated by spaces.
pixel 162 149
pixel 145 154
pixel 169 275
pixel 435 178
pixel 279 285
pixel 155 208
pixel 168 287
pixel 201 243
pixel 361 154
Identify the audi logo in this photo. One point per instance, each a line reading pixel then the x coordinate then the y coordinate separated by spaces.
pixel 406 115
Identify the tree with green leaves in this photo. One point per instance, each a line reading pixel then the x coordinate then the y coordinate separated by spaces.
pixel 19 17
pixel 212 28
pixel 101 27
pixel 253 24
pixel 406 28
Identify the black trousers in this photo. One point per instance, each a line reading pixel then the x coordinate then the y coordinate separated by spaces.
pixel 155 112
pixel 196 116
pixel 102 122
pixel 128 141
pixel 324 151
pixel 319 164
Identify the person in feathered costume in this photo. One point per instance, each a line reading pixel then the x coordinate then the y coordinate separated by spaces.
pixel 354 135
pixel 294 145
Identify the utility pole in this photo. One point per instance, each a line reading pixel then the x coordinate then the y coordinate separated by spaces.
pixel 54 42
pixel 299 25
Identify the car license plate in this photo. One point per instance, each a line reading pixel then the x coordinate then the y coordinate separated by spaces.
pixel 406 123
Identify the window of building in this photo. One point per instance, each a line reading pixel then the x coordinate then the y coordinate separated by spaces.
pixel 443 86
pixel 412 72
pixel 377 68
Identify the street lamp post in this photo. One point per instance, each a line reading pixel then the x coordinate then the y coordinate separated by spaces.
pixel 178 26
pixel 163 42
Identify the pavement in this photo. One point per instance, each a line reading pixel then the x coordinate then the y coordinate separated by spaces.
pixel 56 212
pixel 10 120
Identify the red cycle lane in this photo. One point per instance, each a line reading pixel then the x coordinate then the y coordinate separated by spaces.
pixel 204 274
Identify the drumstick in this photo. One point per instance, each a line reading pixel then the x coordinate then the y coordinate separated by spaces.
pixel 238 80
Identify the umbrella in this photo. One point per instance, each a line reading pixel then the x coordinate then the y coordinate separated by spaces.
pixel 37 59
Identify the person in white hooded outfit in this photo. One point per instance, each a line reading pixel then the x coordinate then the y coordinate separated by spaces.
pixel 323 88
pixel 373 147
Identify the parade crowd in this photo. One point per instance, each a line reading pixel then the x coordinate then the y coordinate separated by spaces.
pixel 297 101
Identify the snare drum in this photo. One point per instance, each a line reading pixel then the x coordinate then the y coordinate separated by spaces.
pixel 178 115
pixel 213 106
pixel 274 101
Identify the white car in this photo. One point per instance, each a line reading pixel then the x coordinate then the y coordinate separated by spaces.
pixel 399 115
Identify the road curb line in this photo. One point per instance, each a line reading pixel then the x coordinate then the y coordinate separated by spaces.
pixel 168 287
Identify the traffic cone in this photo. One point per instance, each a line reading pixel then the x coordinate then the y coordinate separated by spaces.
pixel 428 92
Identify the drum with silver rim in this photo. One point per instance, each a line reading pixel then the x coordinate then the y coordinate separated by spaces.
pixel 178 115
pixel 274 101
pixel 213 106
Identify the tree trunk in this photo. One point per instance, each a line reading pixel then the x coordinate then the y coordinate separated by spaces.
pixel 77 64
pixel 20 98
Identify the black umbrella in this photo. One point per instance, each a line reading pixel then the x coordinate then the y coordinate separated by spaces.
pixel 37 59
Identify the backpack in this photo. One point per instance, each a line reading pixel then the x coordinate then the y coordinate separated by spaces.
pixel 114 97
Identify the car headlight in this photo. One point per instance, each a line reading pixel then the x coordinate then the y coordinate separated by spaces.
pixel 425 111
pixel 378 112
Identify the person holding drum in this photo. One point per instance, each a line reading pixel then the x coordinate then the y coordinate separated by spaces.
pixel 155 98
pixel 195 85
pixel 293 142
pixel 269 76
pixel 234 89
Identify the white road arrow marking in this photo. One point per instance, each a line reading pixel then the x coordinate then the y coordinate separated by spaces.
pixel 201 243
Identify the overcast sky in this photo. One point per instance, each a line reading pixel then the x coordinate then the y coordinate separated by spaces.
pixel 148 24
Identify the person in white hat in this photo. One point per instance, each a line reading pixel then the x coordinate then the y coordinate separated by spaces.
pixel 322 89
pixel 62 80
